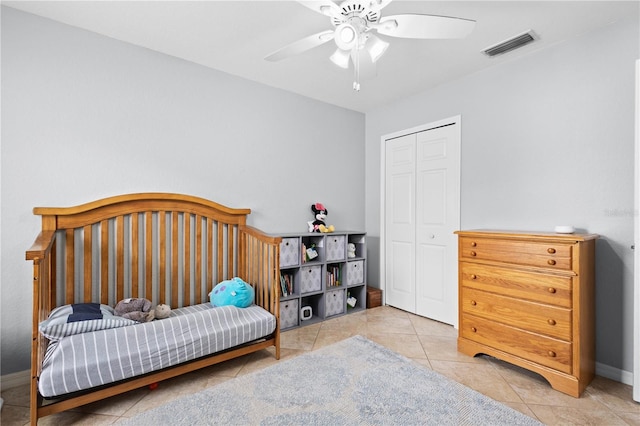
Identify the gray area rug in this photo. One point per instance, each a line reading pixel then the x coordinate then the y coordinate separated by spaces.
pixel 352 382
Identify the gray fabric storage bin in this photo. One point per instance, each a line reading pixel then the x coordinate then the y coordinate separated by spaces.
pixel 310 278
pixel 355 272
pixel 334 302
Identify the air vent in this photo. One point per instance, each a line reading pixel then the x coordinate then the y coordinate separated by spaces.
pixel 510 44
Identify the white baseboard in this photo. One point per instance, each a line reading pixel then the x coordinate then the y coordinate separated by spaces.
pixel 616 374
pixel 13 380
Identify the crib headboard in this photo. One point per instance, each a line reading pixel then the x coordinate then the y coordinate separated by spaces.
pixel 169 248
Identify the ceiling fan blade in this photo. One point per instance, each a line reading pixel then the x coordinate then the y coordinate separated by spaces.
pixel 300 46
pixel 326 7
pixel 425 26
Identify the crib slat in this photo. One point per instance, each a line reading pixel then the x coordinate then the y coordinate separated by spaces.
pixel 265 270
pixel 88 262
pixel 198 277
pixel 174 258
pixel 230 252
pixel 220 253
pixel 210 255
pixel 162 223
pixel 254 254
pixel 186 295
pixel 104 261
pixel 148 288
pixel 69 253
pixel 53 276
pixel 120 258
pixel 134 254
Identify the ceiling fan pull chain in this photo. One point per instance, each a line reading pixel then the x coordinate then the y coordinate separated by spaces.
pixel 356 70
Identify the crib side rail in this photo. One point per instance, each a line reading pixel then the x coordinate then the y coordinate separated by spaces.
pixel 260 266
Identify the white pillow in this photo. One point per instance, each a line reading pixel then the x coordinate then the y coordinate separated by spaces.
pixel 76 318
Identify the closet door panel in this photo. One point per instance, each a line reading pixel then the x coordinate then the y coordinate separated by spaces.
pixel 400 222
pixel 437 183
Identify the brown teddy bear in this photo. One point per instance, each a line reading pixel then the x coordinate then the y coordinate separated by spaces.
pixel 162 311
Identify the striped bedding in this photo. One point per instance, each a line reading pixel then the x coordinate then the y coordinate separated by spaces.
pixel 86 360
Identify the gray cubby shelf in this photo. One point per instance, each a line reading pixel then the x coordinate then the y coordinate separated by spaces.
pixel 325 285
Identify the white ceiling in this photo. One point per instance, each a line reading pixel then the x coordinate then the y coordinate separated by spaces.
pixel 235 36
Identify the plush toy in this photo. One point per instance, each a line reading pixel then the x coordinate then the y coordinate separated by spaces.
pixel 351 250
pixel 135 308
pixel 162 311
pixel 320 213
pixel 234 292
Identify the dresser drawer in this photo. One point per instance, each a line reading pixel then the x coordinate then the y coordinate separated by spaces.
pixel 538 287
pixel 542 350
pixel 310 279
pixel 544 319
pixel 539 254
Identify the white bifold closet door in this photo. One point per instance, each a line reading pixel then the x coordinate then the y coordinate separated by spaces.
pixel 422 210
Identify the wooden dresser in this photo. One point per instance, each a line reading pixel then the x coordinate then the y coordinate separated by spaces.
pixel 528 299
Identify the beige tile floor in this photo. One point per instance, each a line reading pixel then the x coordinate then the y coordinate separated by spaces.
pixel 432 344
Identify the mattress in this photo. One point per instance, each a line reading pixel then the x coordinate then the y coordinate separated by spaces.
pixel 86 360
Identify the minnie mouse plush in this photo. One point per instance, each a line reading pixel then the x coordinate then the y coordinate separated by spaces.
pixel 320 213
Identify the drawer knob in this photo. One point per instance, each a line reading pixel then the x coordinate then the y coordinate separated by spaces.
pixel 473 303
pixel 551 262
pixel 551 250
pixel 552 354
pixel 551 290
pixel 473 253
pixel 473 329
pixel 474 276
pixel 473 244
pixel 551 321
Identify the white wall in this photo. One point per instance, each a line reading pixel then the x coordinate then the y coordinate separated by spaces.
pixel 546 140
pixel 85 116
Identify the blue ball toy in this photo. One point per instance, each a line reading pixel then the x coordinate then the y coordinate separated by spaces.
pixel 234 292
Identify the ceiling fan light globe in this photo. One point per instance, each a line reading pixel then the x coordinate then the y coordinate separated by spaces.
pixel 345 36
pixel 341 58
pixel 376 47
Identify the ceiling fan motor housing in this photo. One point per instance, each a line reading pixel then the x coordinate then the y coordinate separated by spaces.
pixel 356 9
pixel 352 25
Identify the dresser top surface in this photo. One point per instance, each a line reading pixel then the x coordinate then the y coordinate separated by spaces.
pixel 530 235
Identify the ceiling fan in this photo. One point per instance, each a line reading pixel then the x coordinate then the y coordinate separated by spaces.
pixel 355 22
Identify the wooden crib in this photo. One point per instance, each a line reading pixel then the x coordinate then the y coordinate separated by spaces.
pixel 168 248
